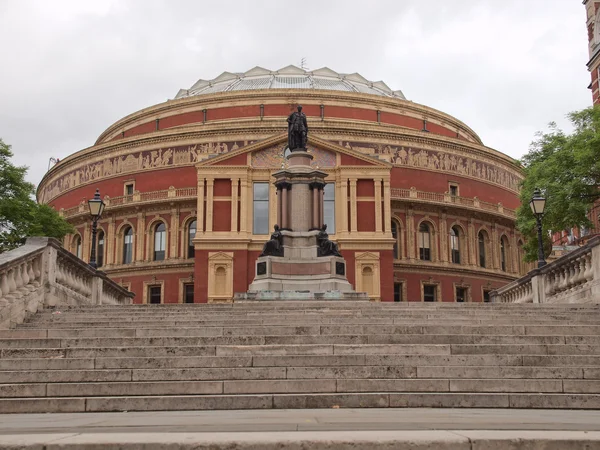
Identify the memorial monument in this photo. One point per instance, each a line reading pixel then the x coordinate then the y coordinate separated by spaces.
pixel 299 260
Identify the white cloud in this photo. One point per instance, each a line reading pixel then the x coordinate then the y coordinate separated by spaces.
pixel 505 68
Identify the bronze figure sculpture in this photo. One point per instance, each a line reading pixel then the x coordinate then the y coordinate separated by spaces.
pixel 297 130
pixel 326 247
pixel 274 246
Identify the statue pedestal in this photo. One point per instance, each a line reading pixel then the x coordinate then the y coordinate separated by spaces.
pixel 300 269
pixel 301 273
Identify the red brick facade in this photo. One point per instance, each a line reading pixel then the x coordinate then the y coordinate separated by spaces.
pixel 195 161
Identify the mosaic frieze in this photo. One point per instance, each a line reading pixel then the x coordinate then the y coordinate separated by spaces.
pixel 135 162
pixel 437 160
pixel 272 157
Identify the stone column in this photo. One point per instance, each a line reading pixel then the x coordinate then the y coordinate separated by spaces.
pixel 321 196
pixel 387 206
pixel 174 233
pixel 279 222
pixel 378 218
pixel 210 182
pixel 353 213
pixel 234 204
pixel 200 207
pixel 284 207
pixel 315 205
pixel 344 204
pixel 140 234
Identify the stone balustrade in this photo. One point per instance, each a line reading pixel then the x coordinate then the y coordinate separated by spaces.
pixel 43 274
pixel 137 197
pixel 573 278
pixel 436 197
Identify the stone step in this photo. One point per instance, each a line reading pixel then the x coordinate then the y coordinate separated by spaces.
pixel 354 330
pixel 284 361
pixel 161 388
pixel 304 401
pixel 300 372
pixel 57 354
pixel 589 342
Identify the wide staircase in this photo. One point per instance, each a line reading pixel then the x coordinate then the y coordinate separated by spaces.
pixel 302 355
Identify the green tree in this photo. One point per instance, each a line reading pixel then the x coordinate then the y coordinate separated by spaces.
pixel 566 167
pixel 20 215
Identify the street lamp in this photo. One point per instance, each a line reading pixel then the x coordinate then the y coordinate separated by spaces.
pixel 96 206
pixel 537 204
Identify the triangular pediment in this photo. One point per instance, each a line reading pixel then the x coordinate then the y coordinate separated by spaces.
pixel 367 256
pixel 269 152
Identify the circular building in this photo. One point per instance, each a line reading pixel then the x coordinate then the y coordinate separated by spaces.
pixel 420 208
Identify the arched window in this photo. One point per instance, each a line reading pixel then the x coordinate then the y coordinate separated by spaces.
pixel 191 235
pixel 367 281
pixel 424 242
pixel 78 249
pixel 160 237
pixel 127 245
pixel 481 246
pixel 455 244
pixel 100 250
pixel 503 253
pixel 395 235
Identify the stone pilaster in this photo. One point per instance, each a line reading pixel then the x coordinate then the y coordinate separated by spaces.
pixel 443 238
pixel 353 211
pixel 86 244
pixel 411 233
pixel 387 207
pixel 200 207
pixel 110 239
pixel 472 243
pixel 378 212
pixel 245 198
pixel 344 205
pixel 140 234
pixel 174 241
pixel 495 246
pixel 210 182
pixel 234 204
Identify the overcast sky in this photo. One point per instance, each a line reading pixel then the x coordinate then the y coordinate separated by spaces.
pixel 70 68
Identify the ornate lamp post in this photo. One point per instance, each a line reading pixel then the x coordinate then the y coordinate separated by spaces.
pixel 96 206
pixel 537 204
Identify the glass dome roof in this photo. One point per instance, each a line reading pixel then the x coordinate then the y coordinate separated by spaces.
pixel 290 77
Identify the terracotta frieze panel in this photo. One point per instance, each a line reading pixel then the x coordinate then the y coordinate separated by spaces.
pixel 439 161
pixel 272 157
pixel 136 162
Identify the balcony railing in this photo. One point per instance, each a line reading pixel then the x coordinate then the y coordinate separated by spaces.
pixel 446 198
pixel 136 197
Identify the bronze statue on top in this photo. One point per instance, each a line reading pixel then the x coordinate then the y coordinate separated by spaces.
pixel 326 247
pixel 274 246
pixel 297 130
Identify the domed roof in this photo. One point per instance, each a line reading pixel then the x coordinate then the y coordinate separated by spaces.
pixel 290 77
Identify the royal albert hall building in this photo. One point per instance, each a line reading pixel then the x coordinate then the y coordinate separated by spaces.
pixel 421 209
